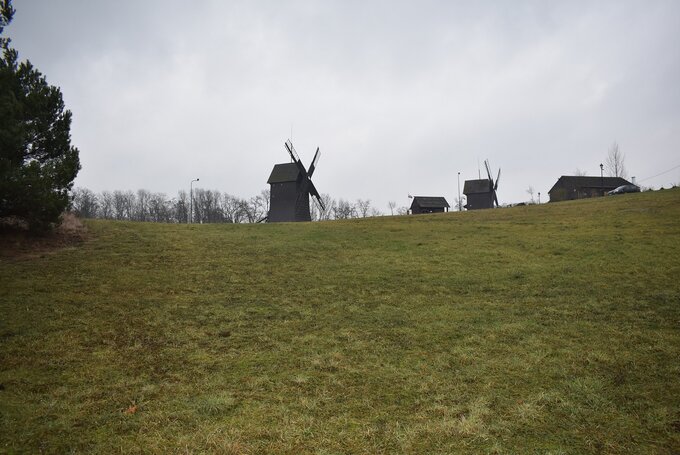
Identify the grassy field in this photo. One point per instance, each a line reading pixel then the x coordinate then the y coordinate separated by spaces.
pixel 548 329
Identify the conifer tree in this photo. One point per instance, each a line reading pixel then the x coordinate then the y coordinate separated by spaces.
pixel 37 161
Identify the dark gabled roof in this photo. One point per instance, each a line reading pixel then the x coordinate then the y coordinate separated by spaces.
pixel 583 181
pixel 476 186
pixel 286 172
pixel 430 202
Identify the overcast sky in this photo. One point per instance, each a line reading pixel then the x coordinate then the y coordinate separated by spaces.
pixel 400 96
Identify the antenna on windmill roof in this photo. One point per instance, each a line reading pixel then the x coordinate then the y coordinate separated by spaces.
pixel 479 172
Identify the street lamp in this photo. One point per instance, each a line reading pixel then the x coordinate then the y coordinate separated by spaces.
pixel 459 209
pixel 539 197
pixel 602 177
pixel 191 200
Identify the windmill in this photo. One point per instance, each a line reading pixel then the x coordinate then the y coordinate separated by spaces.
pixel 291 187
pixel 481 193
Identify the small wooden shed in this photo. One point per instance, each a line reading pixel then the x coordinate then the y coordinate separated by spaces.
pixel 429 204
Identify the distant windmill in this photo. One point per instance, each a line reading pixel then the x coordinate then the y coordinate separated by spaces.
pixel 481 193
pixel 291 187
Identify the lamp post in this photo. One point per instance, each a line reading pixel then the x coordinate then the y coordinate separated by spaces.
pixel 459 209
pixel 191 201
pixel 602 177
pixel 539 197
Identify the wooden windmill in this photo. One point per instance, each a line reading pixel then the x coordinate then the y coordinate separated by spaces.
pixel 481 194
pixel 291 187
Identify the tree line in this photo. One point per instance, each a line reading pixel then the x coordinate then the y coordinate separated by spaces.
pixel 207 206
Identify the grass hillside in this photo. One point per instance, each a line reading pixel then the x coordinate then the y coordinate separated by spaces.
pixel 540 329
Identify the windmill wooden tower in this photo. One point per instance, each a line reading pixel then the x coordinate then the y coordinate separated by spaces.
pixel 481 194
pixel 291 187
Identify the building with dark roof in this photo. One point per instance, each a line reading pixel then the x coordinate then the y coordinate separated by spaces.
pixel 569 187
pixel 429 204
pixel 289 201
pixel 478 194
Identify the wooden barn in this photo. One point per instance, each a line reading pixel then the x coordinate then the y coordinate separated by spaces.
pixel 569 187
pixel 429 204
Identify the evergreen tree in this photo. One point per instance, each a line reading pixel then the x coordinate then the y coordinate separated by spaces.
pixel 37 162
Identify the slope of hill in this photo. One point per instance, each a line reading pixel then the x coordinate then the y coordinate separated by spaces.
pixel 551 329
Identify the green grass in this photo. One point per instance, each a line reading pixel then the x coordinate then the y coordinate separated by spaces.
pixel 542 329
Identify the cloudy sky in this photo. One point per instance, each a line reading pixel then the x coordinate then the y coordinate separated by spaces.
pixel 399 95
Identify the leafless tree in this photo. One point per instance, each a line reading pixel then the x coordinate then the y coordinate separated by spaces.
pixel 363 207
pixel 160 208
pixel 206 206
pixel 231 208
pixel 247 211
pixel 85 203
pixel 343 210
pixel 259 206
pixel 181 207
pixel 323 215
pixel 402 211
pixel 459 203
pixel 391 205
pixel 615 162
pixel 579 173
pixel 531 192
pixel 141 211
pixel 106 205
pixel 123 204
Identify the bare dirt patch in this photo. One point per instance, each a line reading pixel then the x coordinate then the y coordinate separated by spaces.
pixel 17 242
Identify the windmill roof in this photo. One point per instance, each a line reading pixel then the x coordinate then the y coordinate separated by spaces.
pixel 285 172
pixel 430 201
pixel 476 186
pixel 579 181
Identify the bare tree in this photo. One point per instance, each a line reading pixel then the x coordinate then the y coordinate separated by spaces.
pixel 579 173
pixel 459 203
pixel 363 207
pixel 402 211
pixel 123 204
pixel 531 192
pixel 181 207
pixel 391 205
pixel 206 206
pixel 141 211
pixel 231 208
pixel 615 162
pixel 343 210
pixel 106 205
pixel 159 208
pixel 329 204
pixel 259 206
pixel 85 203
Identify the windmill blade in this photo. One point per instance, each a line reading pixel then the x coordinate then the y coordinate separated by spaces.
pixel 309 189
pixel 495 198
pixel 312 166
pixel 320 203
pixel 488 170
pixel 291 151
pixel 296 158
pixel 495 186
pixel 312 189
